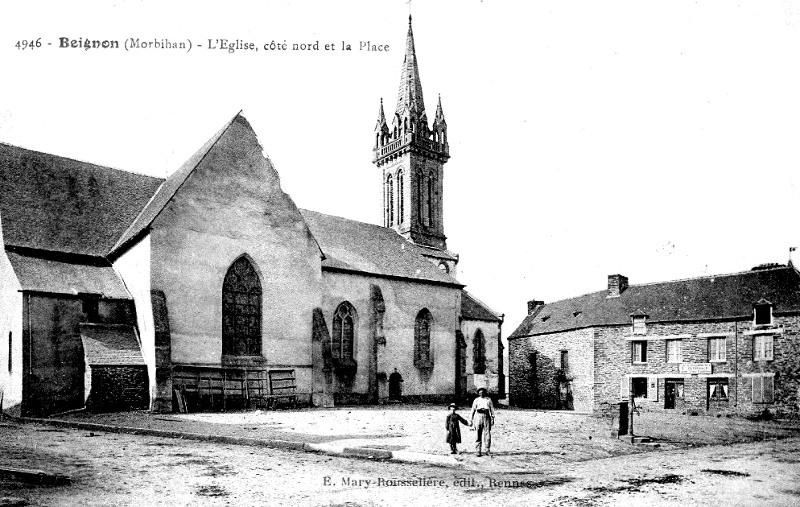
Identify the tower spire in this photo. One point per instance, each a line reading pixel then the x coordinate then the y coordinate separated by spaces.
pixel 410 93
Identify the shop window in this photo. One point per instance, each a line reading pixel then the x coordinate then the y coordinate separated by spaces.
pixel 762 347
pixel 763 389
pixel 639 351
pixel 717 389
pixel 674 351
pixel 716 349
pixel 639 386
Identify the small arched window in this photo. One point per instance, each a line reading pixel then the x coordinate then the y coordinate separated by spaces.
pixel 479 353
pixel 422 339
pixel 420 197
pixel 343 332
pixel 241 310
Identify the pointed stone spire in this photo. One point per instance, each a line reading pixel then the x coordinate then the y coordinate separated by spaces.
pixel 439 119
pixel 381 117
pixel 410 94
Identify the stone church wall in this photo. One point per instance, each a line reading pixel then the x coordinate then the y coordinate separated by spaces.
pixel 491 376
pixel 232 205
pixel 403 301
pixel 10 328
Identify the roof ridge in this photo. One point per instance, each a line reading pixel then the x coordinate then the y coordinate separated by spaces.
pixel 79 161
pixel 205 149
pixel 721 275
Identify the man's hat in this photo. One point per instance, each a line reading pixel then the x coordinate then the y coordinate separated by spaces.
pixel 452 405
pixel 481 389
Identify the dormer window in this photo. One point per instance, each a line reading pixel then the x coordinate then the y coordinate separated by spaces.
pixel 762 313
pixel 639 323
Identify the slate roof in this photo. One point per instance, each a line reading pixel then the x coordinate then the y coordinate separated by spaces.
pixel 167 190
pixel 706 298
pixel 61 277
pixel 59 204
pixel 111 345
pixel 473 309
pixel 371 249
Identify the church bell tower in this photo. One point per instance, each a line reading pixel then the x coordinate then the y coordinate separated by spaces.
pixel 412 156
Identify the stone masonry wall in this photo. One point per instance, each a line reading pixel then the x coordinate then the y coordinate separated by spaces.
pixel 614 367
pixel 118 388
pixel 540 383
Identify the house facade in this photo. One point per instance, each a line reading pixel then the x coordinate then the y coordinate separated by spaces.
pixel 116 289
pixel 716 344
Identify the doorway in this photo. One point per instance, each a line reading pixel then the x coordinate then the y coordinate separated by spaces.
pixel 395 386
pixel 673 392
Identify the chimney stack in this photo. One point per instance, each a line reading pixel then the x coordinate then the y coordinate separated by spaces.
pixel 616 285
pixel 534 306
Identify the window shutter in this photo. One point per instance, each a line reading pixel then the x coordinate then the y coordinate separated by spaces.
pixel 723 345
pixel 769 389
pixel 624 388
pixel 652 390
pixel 757 394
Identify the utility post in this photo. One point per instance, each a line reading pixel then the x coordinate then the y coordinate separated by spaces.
pixel 630 408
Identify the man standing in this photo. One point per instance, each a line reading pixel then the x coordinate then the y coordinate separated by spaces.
pixel 483 427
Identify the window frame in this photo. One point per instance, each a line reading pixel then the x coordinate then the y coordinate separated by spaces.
pixel 760 349
pixel 679 354
pixel 423 329
pixel 640 381
pixel 231 337
pixel 639 325
pixel 763 307
pixel 642 356
pixel 762 381
pixel 715 358
pixel 343 312
pixel 479 353
pixel 718 381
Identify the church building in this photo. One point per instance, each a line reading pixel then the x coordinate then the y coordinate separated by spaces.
pixel 212 289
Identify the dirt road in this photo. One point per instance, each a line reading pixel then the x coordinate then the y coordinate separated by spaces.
pixel 114 469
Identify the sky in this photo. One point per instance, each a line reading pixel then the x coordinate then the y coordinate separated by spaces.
pixel 656 139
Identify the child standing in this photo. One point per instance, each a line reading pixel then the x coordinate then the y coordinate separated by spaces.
pixel 453 425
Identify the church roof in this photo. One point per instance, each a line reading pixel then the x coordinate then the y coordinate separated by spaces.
pixel 474 309
pixel 707 298
pixel 58 204
pixel 410 93
pixel 167 190
pixel 37 273
pixel 107 345
pixel 371 249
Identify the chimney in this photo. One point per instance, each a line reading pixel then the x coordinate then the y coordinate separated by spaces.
pixel 534 306
pixel 616 285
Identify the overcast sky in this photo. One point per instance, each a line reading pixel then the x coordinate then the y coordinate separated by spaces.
pixel 660 140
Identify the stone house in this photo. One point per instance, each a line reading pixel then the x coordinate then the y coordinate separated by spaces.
pixel 715 344
pixel 114 285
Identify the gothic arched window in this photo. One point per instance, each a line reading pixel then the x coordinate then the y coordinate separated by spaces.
pixel 401 212
pixel 420 198
pixel 479 353
pixel 422 339
pixel 343 332
pixel 241 310
pixel 430 199
pixel 389 201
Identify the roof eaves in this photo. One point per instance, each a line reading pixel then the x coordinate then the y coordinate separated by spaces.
pixel 426 281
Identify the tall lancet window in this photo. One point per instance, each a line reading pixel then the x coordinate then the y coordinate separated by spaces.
pixel 431 189
pixel 389 201
pixel 420 198
pixel 241 310
pixel 343 332
pixel 401 202
pixel 422 339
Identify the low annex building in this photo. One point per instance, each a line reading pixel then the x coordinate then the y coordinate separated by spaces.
pixel 118 289
pixel 715 344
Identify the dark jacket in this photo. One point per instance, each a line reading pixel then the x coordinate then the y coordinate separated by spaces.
pixel 453 428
